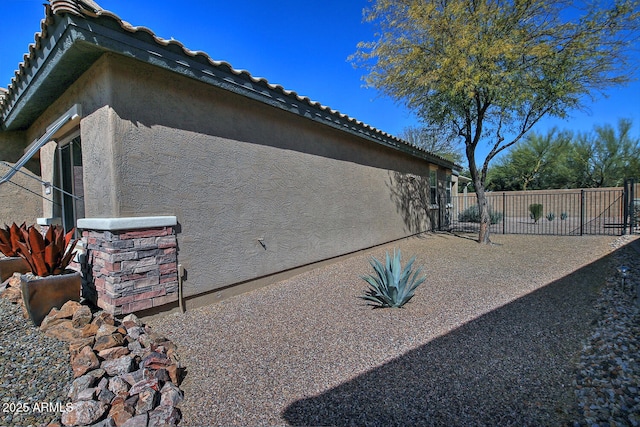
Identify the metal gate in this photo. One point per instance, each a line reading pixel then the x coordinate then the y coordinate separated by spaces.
pixel 594 211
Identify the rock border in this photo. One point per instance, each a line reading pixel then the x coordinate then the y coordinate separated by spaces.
pixel 125 374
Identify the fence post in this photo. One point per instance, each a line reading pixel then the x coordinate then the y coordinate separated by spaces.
pixel 581 212
pixel 632 205
pixel 504 212
pixel 625 205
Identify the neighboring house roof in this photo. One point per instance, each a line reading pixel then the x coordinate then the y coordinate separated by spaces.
pixel 75 33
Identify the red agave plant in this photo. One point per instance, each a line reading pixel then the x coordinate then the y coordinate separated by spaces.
pixel 9 238
pixel 48 255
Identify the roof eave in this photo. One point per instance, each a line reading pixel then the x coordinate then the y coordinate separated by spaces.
pixel 61 59
pixel 73 43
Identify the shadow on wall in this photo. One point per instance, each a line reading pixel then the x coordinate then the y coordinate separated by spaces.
pixel 512 366
pixel 21 197
pixel 410 193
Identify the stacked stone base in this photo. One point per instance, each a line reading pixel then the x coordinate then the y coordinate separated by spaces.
pixel 131 270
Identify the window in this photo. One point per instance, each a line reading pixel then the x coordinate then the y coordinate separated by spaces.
pixel 433 180
pixel 69 180
pixel 449 184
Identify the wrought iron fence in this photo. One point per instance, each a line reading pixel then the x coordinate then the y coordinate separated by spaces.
pixel 608 211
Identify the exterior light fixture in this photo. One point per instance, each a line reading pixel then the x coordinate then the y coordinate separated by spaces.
pixel 624 272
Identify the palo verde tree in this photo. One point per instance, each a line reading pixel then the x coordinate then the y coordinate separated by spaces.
pixel 604 158
pixel 489 70
pixel 536 162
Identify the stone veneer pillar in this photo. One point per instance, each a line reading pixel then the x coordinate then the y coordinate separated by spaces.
pixel 130 263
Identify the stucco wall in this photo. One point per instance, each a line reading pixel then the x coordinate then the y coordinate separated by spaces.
pixel 234 171
pixel 18 202
pixel 92 92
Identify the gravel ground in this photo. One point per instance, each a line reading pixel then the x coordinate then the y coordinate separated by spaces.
pixel 608 374
pixel 492 338
pixel 35 374
pixel 513 334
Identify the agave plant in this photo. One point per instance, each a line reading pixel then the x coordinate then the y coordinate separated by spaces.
pixel 392 286
pixel 9 238
pixel 48 255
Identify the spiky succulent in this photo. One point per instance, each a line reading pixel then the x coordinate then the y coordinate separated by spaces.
pixel 392 285
pixel 9 238
pixel 48 255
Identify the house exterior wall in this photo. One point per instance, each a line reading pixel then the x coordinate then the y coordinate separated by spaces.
pixel 255 190
pixel 20 200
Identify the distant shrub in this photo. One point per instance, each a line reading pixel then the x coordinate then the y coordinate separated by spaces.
pixel 564 216
pixel 535 210
pixel 472 214
pixel 551 216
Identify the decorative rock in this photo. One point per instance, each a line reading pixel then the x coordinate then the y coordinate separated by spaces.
pixel 145 340
pixel 175 373
pixel 113 352
pixel 146 400
pixel 76 345
pixel 63 331
pixel 83 413
pixel 49 321
pixel 137 421
pixel 84 361
pixel 141 385
pixel 170 395
pixel 119 366
pixel 134 377
pixel 108 341
pixel 86 394
pixel 68 309
pixel 164 416
pixel 135 332
pixel 131 402
pixel 155 360
pixel 118 386
pixel 106 396
pixel 162 375
pixel 103 384
pixel 105 329
pixel 131 320
pixel 81 317
pixel 108 384
pixel 81 383
pixel 90 330
pixel 120 413
pixel 108 422
pixel 103 317
pixel 136 348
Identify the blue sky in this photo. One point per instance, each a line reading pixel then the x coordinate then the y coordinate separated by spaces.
pixel 301 45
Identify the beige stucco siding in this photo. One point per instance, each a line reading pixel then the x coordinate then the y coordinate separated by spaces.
pixel 234 171
pixel 19 200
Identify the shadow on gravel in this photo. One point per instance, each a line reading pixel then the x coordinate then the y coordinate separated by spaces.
pixel 512 366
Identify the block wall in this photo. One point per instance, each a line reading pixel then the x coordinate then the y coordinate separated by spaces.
pixel 131 270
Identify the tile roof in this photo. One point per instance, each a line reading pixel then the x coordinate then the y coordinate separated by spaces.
pixel 89 9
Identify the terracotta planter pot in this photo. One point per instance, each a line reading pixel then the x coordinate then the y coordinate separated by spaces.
pixel 41 294
pixel 11 265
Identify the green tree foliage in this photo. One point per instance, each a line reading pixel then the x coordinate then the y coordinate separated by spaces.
pixel 538 161
pixel 604 157
pixel 488 70
pixel 433 141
